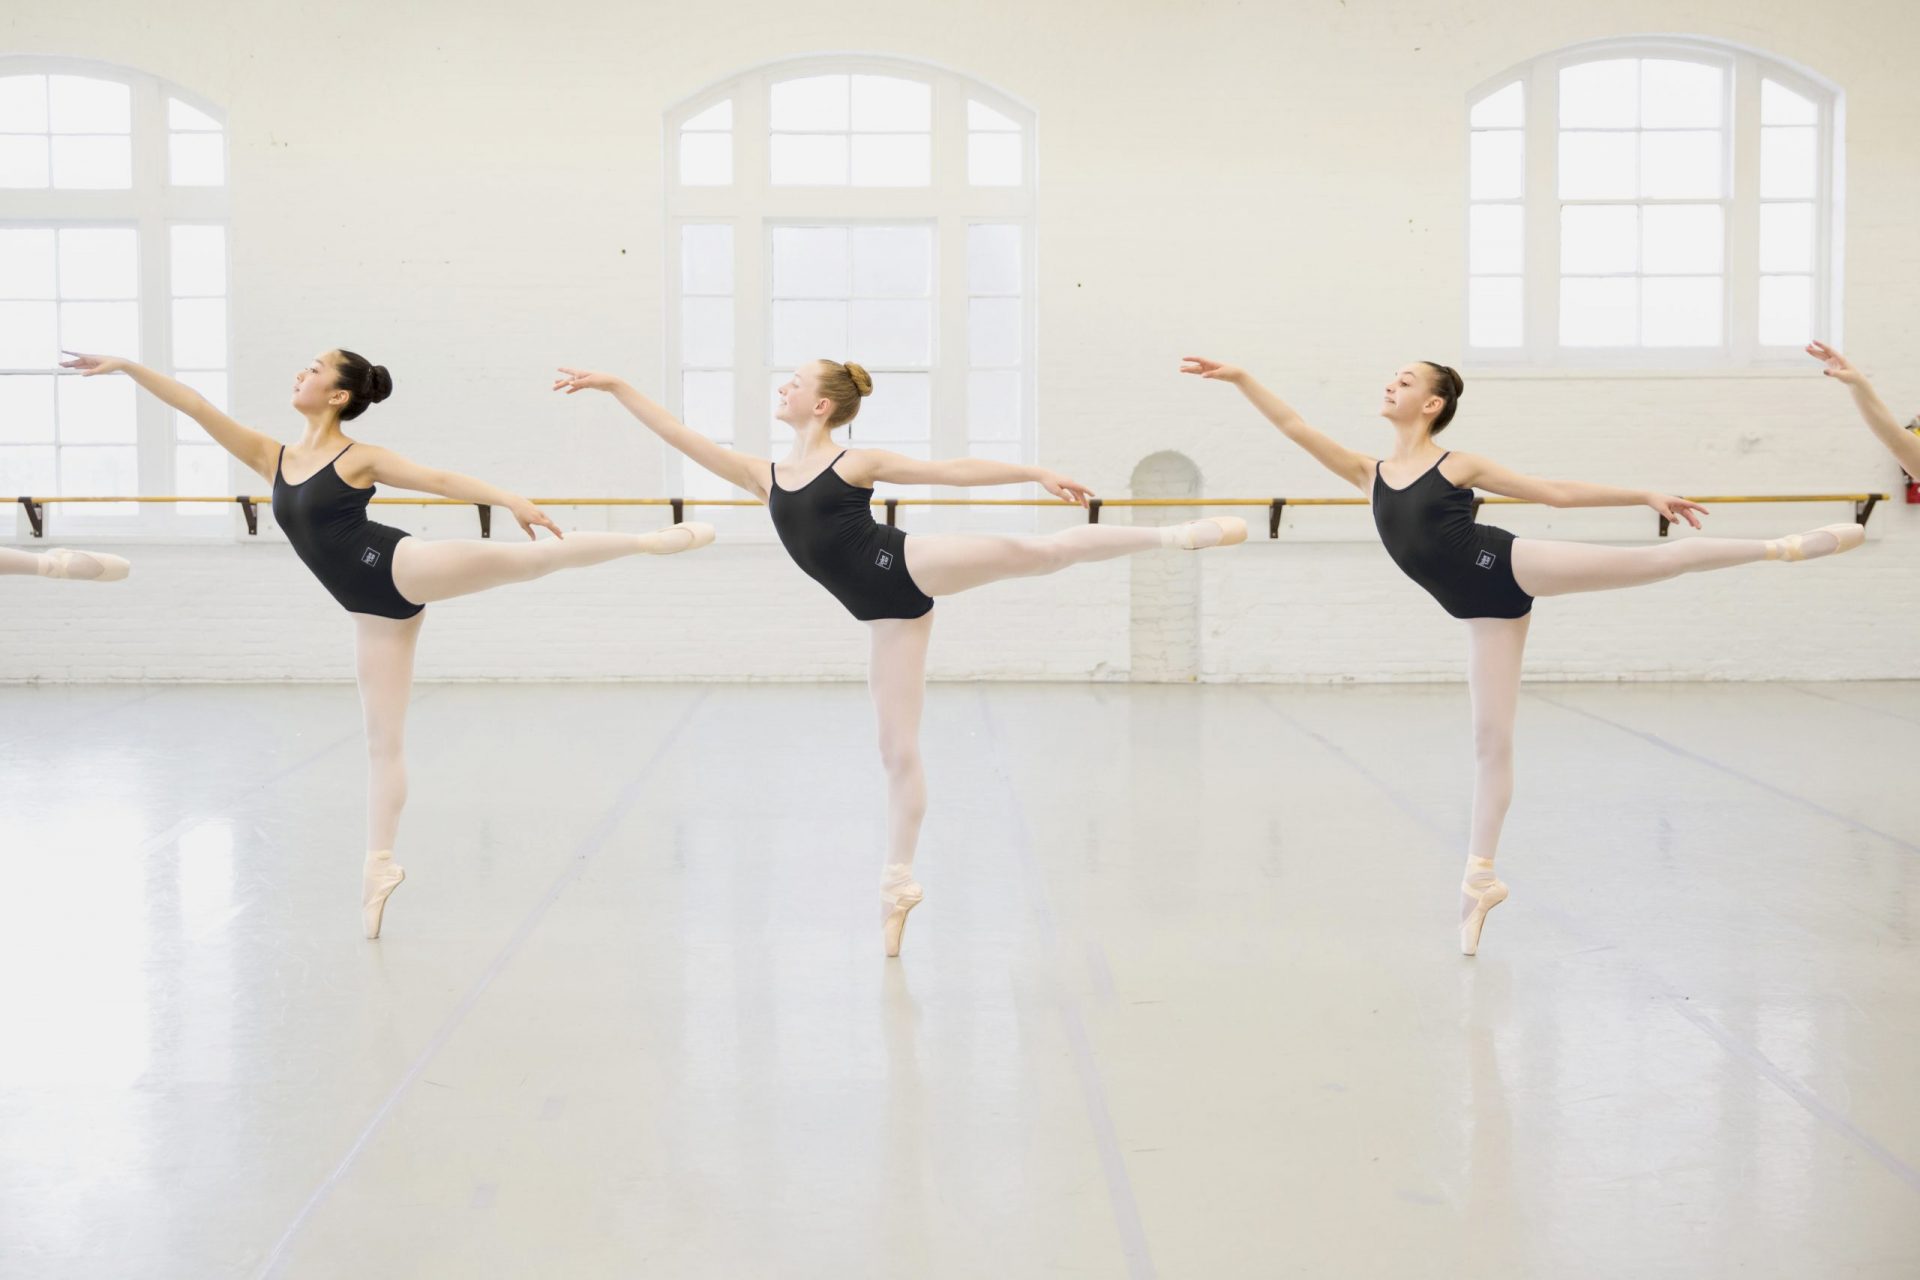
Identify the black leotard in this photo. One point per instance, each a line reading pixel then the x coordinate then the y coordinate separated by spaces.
pixel 1429 530
pixel 827 526
pixel 325 519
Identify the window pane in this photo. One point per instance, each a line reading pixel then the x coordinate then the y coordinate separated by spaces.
pixel 993 331
pixel 813 102
pixel 1788 162
pixel 718 116
pixel 1786 310
pixel 1682 239
pixel 1681 95
pixel 99 262
pixel 23 104
pixel 26 263
pixel 1680 312
pixel 78 104
pixel 26 409
pixel 1786 237
pixel 23 163
pixel 811 262
pixel 1781 105
pixel 29 335
pixel 809 331
pixel 1598 166
pixel 884 160
pixel 993 405
pixel 198 471
pixel 97 472
pixel 1494 233
pixel 890 333
pixel 1600 95
pixel 706 159
pixel 888 104
pixel 1599 239
pixel 706 404
pixel 182 116
pixel 199 262
pixel 1494 312
pixel 900 408
pixel 1501 109
pixel 706 331
pixel 993 259
pixel 212 385
pixel 111 328
pixel 801 160
pixel 706 258
pixel 1680 166
pixel 697 482
pixel 984 118
pixel 1598 313
pixel 892 262
pixel 197 159
pixel 200 333
pixel 98 411
pixel 1496 165
pixel 993 159
pixel 30 471
pixel 93 164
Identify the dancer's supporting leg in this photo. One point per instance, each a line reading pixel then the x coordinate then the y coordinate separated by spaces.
pixel 59 562
pixel 1546 568
pixel 897 679
pixel 426 571
pixel 942 564
pixel 383 651
pixel 1495 649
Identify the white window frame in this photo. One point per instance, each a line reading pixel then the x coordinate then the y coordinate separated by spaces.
pixel 152 206
pixel 754 206
pixel 1540 272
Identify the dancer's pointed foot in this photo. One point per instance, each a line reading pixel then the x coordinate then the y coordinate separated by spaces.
pixel 83 566
pixel 381 876
pixel 1827 540
pixel 899 894
pixel 688 535
pixel 1480 892
pixel 1198 535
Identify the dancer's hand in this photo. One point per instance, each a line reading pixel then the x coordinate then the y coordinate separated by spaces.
pixel 88 366
pixel 1069 490
pixel 1836 365
pixel 529 515
pixel 1674 510
pixel 1212 369
pixel 572 380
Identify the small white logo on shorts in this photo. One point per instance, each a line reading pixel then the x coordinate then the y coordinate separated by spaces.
pixel 1486 560
pixel 884 559
pixel 370 557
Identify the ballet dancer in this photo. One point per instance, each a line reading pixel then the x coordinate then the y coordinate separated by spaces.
pixel 1904 444
pixel 885 577
pixel 1423 510
pixel 382 576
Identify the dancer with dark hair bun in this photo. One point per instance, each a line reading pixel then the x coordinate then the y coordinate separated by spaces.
pixel 381 575
pixel 1423 510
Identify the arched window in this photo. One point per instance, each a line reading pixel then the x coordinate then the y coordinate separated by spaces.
pixel 856 208
pixel 1652 201
pixel 113 238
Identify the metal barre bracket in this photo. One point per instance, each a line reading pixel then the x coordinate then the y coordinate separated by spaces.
pixel 679 508
pixel 1863 511
pixel 1274 509
pixel 893 513
pixel 252 512
pixel 36 515
pixel 486 520
pixel 1093 510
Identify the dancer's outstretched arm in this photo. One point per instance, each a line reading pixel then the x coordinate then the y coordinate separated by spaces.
pixel 864 466
pixel 736 468
pixel 1476 472
pixel 258 450
pixel 384 466
pixel 1904 444
pixel 1350 465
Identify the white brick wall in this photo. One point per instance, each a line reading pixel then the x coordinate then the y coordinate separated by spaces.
pixel 471 200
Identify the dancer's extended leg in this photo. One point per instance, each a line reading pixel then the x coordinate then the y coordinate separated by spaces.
pixel 1547 568
pixel 942 564
pixel 60 562
pixel 425 571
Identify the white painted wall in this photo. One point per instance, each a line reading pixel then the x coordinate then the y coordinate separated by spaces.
pixel 471 196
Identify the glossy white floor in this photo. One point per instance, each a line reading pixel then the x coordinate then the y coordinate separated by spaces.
pixel 1184 999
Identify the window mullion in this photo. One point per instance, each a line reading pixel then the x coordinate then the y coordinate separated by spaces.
pixel 1541 262
pixel 1743 216
pixel 154 420
pixel 752 267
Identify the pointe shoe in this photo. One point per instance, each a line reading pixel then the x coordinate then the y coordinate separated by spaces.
pixel 1486 897
pixel 899 894
pixel 699 535
pixel 1793 547
pixel 1233 530
pixel 377 883
pixel 60 563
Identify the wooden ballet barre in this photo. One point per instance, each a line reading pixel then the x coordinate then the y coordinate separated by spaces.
pixel 249 504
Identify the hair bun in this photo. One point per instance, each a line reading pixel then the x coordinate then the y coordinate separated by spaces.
pixel 862 380
pixel 379 384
